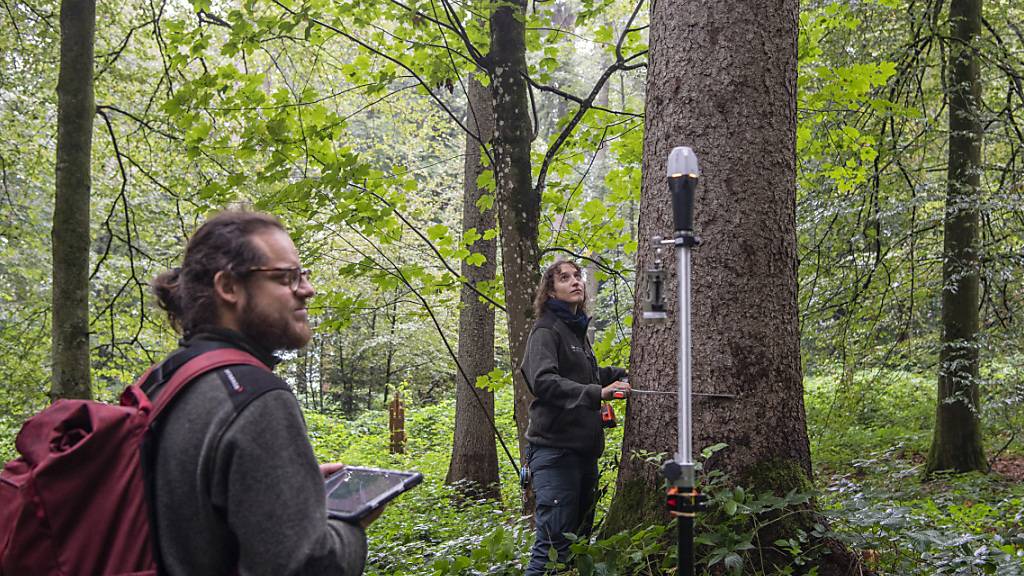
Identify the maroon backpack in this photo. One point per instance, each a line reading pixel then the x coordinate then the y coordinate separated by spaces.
pixel 75 501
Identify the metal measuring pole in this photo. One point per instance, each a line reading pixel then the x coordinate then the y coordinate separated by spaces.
pixel 683 500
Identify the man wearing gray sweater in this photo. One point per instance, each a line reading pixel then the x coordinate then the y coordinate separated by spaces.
pixel 232 477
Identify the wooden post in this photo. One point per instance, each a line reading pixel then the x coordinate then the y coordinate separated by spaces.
pixel 396 424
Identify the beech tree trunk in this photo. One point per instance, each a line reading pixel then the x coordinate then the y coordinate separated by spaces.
pixel 722 80
pixel 956 443
pixel 517 201
pixel 70 233
pixel 474 455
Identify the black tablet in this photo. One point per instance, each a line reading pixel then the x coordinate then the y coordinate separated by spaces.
pixel 354 491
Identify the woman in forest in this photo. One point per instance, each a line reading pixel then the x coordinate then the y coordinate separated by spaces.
pixel 565 433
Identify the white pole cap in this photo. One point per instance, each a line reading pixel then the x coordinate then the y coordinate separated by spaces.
pixel 682 161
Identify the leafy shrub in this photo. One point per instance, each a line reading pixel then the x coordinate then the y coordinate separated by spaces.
pixel 853 415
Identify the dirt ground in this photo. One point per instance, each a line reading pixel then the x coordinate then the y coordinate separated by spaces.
pixel 1010 467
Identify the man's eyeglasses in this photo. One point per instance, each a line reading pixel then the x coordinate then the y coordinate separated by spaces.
pixel 291 277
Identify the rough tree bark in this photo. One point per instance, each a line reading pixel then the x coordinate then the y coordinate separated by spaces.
pixel 70 233
pixel 517 201
pixel 474 455
pixel 956 443
pixel 722 80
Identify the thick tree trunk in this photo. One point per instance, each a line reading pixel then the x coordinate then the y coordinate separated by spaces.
pixel 956 444
pixel 70 234
pixel 518 203
pixel 474 455
pixel 722 80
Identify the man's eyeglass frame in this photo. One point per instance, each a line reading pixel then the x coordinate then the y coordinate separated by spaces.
pixel 296 274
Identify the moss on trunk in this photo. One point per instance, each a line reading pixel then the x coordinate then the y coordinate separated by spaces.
pixel 636 504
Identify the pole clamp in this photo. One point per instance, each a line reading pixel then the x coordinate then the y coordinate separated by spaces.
pixel 687 240
pixel 684 501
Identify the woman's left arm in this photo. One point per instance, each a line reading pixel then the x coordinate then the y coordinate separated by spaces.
pixel 609 374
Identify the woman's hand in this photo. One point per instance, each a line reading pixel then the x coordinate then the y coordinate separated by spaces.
pixel 615 390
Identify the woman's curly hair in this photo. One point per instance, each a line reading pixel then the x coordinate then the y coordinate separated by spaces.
pixel 547 285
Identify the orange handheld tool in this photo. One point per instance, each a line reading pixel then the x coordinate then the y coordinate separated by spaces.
pixel 607 416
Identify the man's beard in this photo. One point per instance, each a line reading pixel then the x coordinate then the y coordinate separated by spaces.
pixel 272 333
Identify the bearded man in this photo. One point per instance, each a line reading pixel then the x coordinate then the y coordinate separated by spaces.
pixel 234 485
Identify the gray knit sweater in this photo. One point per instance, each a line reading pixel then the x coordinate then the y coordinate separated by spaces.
pixel 242 487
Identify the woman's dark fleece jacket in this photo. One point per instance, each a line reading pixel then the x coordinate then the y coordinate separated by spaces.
pixel 561 371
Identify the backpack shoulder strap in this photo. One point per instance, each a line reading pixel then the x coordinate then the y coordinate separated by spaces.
pixel 161 372
pixel 198 366
pixel 187 366
pixel 244 384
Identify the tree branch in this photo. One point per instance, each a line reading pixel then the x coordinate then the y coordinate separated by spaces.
pixel 391 59
pixel 103 107
pixel 430 244
pixel 112 56
pixel 126 213
pixel 586 104
pixel 455 357
pixel 208 18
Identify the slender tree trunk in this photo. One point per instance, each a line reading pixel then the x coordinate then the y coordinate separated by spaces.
pixel 322 382
pixel 343 378
pixel 70 234
pixel 389 370
pixel 374 375
pixel 956 444
pixel 722 80
pixel 302 373
pixel 474 455
pixel 518 202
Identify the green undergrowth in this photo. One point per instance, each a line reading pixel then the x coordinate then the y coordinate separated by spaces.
pixel 433 524
pixel 870 432
pixel 435 528
pixel 965 524
pixel 853 415
pixel 849 417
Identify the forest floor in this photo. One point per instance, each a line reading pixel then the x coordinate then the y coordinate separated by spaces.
pixel 870 438
pixel 1010 468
